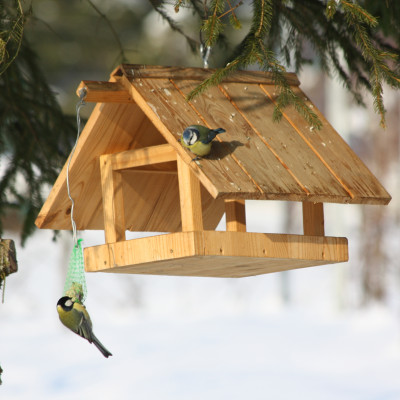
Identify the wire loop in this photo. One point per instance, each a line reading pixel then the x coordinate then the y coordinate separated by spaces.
pixel 204 51
pixel 205 54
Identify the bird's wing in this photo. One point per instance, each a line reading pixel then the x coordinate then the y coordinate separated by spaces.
pixel 210 136
pixel 85 329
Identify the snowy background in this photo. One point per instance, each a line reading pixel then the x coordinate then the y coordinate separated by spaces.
pixel 196 338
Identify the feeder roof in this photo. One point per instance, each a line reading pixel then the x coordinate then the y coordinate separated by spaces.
pixel 255 158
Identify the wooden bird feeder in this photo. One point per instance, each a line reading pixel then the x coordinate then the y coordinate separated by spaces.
pixel 129 172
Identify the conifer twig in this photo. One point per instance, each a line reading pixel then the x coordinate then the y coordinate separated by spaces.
pixel 232 10
pixel 213 26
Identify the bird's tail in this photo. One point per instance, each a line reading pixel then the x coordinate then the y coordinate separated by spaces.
pixel 98 344
pixel 213 133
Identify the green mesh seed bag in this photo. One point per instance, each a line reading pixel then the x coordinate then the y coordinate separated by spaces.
pixel 75 283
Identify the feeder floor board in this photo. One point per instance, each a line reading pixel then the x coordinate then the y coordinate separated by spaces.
pixel 215 254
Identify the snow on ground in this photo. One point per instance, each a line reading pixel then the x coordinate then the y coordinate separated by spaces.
pixel 176 338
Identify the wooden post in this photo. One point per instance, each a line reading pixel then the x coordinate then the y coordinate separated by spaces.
pixel 313 219
pixel 235 215
pixel 113 201
pixel 190 198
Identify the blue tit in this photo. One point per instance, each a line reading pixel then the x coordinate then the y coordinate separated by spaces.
pixel 198 138
pixel 75 317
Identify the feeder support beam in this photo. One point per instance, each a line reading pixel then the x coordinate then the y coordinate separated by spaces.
pixel 105 92
pixel 113 201
pixel 235 215
pixel 313 219
pixel 190 198
pixel 142 157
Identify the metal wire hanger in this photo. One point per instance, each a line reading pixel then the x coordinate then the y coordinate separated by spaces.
pixel 81 103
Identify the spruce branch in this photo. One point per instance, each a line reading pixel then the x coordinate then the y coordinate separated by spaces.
pixel 11 33
pixel 357 19
pixel 286 95
pixel 35 137
pixel 350 28
pixel 294 17
pixel 213 26
pixel 359 13
pixel 331 8
pixel 215 79
pixel 178 5
pixel 233 19
pixel 254 51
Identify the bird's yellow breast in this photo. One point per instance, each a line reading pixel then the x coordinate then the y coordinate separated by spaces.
pixel 70 319
pixel 200 149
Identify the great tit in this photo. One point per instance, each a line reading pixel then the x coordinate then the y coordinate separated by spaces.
pixel 197 138
pixel 75 317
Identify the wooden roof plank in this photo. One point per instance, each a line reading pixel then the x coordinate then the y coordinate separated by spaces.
pixel 140 71
pixel 218 175
pixel 254 158
pixel 287 146
pixel 337 156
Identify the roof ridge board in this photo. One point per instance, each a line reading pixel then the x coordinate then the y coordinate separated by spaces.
pixel 194 73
